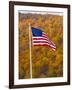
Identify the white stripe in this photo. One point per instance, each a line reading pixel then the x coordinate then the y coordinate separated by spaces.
pixel 41 37
pixel 40 43
pixel 42 40
pixel 44 33
pixel 52 46
pixel 34 43
pixel 45 41
pixel 45 36
pixel 37 37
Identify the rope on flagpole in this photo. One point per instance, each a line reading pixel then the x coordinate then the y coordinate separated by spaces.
pixel 30 51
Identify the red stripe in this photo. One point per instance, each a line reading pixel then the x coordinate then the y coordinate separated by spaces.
pixel 44 36
pixel 47 41
pixel 41 45
pixel 40 39
pixel 41 42
pixel 44 45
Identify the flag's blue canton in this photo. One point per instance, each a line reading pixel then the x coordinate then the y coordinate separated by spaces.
pixel 36 32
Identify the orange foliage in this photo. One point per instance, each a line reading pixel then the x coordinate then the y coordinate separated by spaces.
pixel 45 62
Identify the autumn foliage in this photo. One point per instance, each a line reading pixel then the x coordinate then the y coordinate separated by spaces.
pixel 45 61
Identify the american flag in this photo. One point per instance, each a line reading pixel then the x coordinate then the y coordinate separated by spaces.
pixel 39 38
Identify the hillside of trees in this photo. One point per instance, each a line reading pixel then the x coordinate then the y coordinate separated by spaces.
pixel 45 62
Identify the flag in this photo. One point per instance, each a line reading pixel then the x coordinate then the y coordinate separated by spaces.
pixel 40 38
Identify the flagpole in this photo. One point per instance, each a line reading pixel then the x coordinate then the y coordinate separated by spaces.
pixel 30 51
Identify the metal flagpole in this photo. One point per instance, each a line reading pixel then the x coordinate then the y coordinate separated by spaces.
pixel 30 51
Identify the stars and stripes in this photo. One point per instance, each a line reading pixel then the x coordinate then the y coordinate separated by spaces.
pixel 40 38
